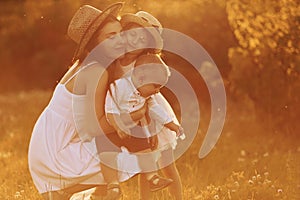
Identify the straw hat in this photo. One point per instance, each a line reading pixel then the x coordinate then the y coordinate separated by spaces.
pixel 86 21
pixel 148 21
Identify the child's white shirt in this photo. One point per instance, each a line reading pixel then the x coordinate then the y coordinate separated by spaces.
pixel 124 98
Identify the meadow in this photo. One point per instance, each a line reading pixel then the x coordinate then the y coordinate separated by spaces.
pixel 248 163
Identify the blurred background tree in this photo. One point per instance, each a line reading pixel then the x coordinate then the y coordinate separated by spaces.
pixel 255 45
pixel 266 62
pixel 35 49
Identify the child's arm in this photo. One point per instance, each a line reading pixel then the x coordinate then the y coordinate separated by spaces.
pixel 172 126
pixel 158 113
pixel 178 129
pixel 152 139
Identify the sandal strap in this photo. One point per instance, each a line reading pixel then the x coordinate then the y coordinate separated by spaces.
pixel 114 191
pixel 153 178
pixel 111 186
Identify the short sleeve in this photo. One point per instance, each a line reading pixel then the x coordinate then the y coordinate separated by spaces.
pixel 158 113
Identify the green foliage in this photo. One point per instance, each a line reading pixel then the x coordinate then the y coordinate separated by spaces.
pixel 265 64
pixel 34 48
pixel 37 50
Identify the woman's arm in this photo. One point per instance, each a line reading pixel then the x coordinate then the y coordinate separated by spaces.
pixel 100 101
pixel 122 122
pixel 116 122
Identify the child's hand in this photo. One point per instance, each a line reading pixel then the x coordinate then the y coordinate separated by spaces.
pixel 153 141
pixel 180 133
pixel 150 102
pixel 144 109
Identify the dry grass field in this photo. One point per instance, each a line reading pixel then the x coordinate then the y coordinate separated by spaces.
pixel 248 162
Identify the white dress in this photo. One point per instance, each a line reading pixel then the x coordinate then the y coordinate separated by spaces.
pixel 57 157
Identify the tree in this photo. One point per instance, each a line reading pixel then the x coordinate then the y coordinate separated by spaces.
pixel 266 63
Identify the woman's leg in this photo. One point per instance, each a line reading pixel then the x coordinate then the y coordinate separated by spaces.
pixel 170 170
pixel 56 195
pixel 66 194
pixel 109 170
pixel 108 147
pixel 109 166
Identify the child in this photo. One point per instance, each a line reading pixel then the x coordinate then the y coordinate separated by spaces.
pixel 133 92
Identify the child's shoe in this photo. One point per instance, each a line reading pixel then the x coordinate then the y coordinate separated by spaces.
pixel 157 183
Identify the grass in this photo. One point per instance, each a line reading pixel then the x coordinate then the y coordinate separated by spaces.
pixel 248 162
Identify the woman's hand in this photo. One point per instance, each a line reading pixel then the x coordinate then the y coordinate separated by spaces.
pixel 139 114
pixel 153 141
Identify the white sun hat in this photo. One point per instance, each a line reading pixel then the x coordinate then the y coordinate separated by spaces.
pixel 148 21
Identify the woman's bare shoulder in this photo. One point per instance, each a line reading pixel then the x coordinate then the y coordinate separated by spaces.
pixel 94 66
pixel 94 69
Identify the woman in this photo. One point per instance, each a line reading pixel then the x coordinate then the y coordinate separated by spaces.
pixel 142 32
pixel 59 163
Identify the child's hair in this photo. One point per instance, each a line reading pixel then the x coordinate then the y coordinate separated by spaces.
pixel 150 69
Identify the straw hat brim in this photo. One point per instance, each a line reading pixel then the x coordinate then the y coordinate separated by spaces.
pixel 131 18
pixel 112 10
